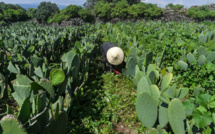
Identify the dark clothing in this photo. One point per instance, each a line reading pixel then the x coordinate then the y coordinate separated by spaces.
pixel 104 48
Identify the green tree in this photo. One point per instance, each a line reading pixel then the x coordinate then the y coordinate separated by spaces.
pixel 45 10
pixel 31 12
pixel 103 10
pixel 120 9
pixel 71 10
pixel 9 14
pixel 86 15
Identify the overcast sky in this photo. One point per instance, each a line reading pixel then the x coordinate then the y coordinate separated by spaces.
pixel 161 3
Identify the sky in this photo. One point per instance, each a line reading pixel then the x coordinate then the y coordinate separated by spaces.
pixel 161 3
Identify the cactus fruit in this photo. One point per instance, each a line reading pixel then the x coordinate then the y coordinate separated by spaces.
pixel 146 108
pixel 11 125
pixel 176 116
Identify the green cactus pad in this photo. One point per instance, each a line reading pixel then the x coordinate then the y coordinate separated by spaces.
pixel 171 92
pixel 176 116
pixel 48 87
pixel 183 92
pixel 191 59
pixel 201 60
pixel 183 65
pixel 202 51
pixel 57 76
pixel 36 61
pixel 166 81
pixel 12 68
pixel 211 57
pixel 137 77
pixel 143 85
pixel 155 93
pixel 163 115
pixel 11 125
pixel 146 108
pixel 25 111
pixel 130 66
pixel 153 131
pixel 57 126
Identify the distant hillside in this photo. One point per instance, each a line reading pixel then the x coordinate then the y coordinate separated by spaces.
pixel 34 5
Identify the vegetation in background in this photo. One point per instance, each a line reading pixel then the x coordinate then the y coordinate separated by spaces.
pixel 12 13
pixel 71 11
pixel 201 13
pixel 175 7
pixel 45 10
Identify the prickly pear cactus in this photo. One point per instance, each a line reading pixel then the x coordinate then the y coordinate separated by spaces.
pixel 183 65
pixel 57 76
pixel 176 116
pixel 146 108
pixel 11 125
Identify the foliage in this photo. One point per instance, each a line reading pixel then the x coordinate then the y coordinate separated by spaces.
pixel 91 3
pixel 175 7
pixel 86 15
pixel 71 11
pixel 120 9
pixel 141 10
pixel 42 84
pixel 103 10
pixel 45 10
pixel 12 13
pixel 201 13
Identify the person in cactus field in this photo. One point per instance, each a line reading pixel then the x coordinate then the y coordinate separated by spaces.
pixel 112 55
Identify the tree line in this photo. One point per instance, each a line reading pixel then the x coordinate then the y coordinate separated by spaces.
pixel 48 12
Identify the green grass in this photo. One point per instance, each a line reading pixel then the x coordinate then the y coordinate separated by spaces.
pixel 107 105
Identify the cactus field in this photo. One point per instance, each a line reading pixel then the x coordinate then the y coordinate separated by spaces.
pixel 51 79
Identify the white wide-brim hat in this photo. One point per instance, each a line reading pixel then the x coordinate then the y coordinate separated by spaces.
pixel 115 56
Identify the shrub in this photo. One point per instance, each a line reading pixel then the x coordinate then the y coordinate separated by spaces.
pixel 103 10
pixel 121 9
pixel 199 13
pixel 45 10
pixel 86 15
pixel 175 7
pixel 71 10
pixel 144 10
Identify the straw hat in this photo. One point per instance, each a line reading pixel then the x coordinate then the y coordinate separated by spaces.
pixel 115 56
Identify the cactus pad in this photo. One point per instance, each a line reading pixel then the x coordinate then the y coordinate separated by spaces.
pixel 57 76
pixel 146 108
pixel 11 125
pixel 176 116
